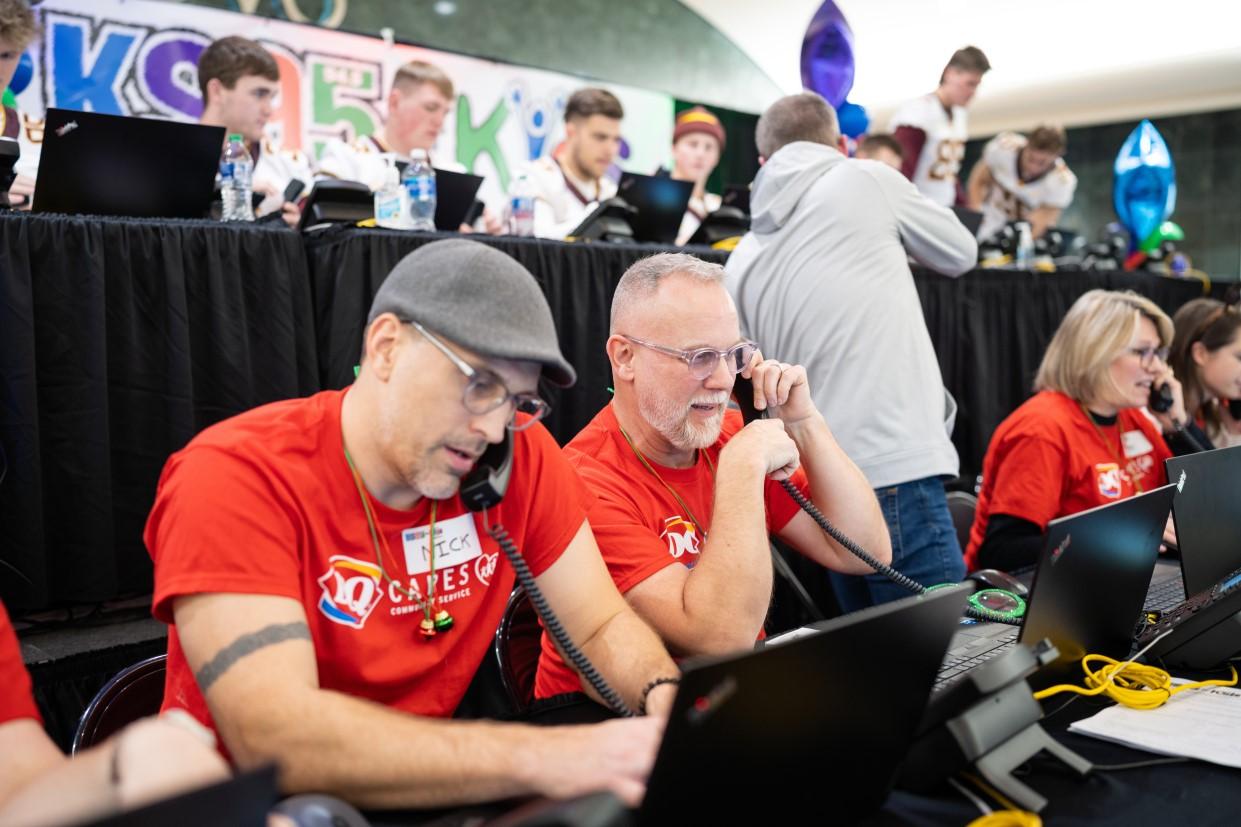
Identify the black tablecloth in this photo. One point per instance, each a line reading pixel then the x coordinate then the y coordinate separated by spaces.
pixel 347 267
pixel 119 340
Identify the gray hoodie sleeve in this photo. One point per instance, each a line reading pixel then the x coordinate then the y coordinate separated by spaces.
pixel 931 233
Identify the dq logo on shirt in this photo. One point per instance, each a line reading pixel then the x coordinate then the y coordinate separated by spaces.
pixel 350 591
pixel 682 538
pixel 1108 474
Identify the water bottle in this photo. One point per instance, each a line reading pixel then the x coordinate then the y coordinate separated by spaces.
pixel 236 174
pixel 419 183
pixel 391 202
pixel 521 207
pixel 1024 258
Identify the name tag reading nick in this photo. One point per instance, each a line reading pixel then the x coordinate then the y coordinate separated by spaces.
pixel 456 542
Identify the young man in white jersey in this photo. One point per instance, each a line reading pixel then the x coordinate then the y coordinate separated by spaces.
pixel 932 129
pixel 570 185
pixel 1022 179
pixel 418 103
pixel 239 80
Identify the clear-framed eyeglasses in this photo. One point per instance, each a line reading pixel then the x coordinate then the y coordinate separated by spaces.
pixel 485 392
pixel 702 361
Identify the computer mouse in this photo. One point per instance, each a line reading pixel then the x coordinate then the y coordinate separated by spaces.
pixel 320 811
pixel 996 579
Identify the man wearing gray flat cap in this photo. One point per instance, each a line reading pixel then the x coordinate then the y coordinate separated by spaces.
pixel 331 595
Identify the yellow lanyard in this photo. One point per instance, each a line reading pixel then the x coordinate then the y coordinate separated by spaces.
pixel 1120 463
pixel 675 495
pixel 432 620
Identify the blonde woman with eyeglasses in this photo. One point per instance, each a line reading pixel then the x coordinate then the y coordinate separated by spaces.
pixel 1086 438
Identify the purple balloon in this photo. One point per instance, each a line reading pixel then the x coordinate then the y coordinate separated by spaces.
pixel 827 55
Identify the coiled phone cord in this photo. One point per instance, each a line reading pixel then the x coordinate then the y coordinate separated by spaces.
pixel 552 623
pixel 887 571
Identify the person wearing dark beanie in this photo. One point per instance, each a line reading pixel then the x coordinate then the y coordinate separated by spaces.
pixel 697 143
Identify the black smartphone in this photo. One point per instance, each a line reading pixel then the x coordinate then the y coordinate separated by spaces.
pixel 1161 398
pixel 1234 408
pixel 293 190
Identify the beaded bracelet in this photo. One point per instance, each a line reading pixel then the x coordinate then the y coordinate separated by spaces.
pixel 646 690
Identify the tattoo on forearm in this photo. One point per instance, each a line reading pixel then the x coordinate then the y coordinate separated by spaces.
pixel 246 645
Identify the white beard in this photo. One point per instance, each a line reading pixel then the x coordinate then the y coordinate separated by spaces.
pixel 673 423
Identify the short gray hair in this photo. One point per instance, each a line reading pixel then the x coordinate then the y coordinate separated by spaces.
pixel 644 276
pixel 804 117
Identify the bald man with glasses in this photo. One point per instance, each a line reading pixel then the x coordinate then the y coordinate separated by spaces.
pixel 684 495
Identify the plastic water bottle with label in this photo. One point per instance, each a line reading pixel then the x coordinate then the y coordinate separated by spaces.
pixel 236 184
pixel 391 201
pixel 521 206
pixel 1024 258
pixel 419 184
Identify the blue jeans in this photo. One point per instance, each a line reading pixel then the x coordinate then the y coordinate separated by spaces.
pixel 924 545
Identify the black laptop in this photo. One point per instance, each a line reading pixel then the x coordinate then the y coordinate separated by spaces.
pixel 660 202
pixel 806 731
pixel 94 164
pixel 242 801
pixel 1208 515
pixel 1087 592
pixel 972 219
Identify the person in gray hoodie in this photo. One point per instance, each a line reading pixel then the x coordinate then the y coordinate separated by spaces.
pixel 822 279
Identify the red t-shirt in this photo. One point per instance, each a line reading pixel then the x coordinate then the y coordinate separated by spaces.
pixel 264 503
pixel 16 698
pixel 1047 460
pixel 638 524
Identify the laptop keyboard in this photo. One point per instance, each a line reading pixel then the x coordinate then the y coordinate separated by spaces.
pixel 1165 595
pixel 974 651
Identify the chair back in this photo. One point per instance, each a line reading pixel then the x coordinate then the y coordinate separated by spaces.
pixel 517 647
pixel 136 692
pixel 961 505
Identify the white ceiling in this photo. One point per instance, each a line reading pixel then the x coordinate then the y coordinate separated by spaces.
pixel 1068 61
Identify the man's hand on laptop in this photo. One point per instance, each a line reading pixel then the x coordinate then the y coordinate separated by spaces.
pixel 614 755
pixel 21 194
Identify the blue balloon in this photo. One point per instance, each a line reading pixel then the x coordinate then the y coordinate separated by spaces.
pixel 853 119
pixel 23 74
pixel 1144 188
pixel 827 55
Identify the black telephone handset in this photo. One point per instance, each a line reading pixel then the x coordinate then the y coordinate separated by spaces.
pixel 1234 408
pixel 483 488
pixel 487 481
pixel 743 393
pixel 1161 398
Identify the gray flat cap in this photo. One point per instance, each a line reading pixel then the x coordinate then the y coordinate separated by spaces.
pixel 479 298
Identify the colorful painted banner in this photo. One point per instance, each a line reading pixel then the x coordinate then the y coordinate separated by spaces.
pixel 139 57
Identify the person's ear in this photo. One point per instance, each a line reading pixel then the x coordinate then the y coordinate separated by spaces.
pixel 214 88
pixel 382 344
pixel 1198 351
pixel 621 353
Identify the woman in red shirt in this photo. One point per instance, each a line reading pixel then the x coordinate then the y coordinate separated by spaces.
pixel 1084 439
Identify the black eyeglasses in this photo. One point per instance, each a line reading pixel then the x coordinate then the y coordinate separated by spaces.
pixel 702 361
pixel 1147 354
pixel 485 392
